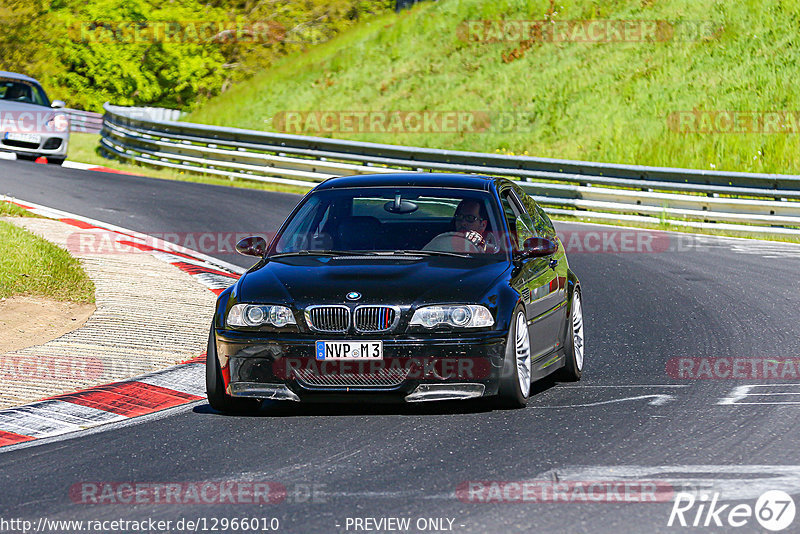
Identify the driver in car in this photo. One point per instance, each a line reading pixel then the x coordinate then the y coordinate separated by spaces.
pixel 18 92
pixel 470 221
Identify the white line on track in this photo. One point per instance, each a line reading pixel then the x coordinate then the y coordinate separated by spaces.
pixel 657 400
pixel 628 386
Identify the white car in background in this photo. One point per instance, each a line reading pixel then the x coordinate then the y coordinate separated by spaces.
pixel 30 125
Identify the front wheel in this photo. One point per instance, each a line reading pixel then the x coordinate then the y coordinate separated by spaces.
pixel 574 344
pixel 215 386
pixel 515 381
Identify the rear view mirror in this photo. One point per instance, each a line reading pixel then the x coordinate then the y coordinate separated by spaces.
pixel 536 247
pixel 252 246
pixel 400 206
pixel 57 104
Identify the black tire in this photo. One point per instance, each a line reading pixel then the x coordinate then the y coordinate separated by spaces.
pixel 509 394
pixel 27 157
pixel 215 387
pixel 572 371
pixel 55 161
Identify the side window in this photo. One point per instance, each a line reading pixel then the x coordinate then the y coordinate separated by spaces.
pixel 520 223
pixel 542 224
pixel 304 233
pixel 546 220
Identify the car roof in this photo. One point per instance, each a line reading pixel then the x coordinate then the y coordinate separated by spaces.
pixel 461 181
pixel 17 76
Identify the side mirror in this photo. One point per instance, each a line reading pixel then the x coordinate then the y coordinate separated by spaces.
pixel 536 247
pixel 252 246
pixel 58 104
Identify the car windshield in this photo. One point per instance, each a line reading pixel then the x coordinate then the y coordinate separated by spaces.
pixel 22 91
pixel 386 220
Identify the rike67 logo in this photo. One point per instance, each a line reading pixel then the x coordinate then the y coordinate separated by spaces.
pixel 774 510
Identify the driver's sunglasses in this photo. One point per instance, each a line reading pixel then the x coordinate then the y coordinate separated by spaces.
pixel 468 218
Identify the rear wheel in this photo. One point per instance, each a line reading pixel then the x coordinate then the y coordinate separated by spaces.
pixel 55 161
pixel 574 344
pixel 215 386
pixel 515 381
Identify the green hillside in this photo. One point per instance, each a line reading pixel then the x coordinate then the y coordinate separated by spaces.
pixel 606 101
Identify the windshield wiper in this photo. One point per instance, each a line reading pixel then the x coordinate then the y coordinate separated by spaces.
pixel 435 253
pixel 324 253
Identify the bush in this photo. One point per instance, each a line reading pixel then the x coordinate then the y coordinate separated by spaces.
pixel 69 45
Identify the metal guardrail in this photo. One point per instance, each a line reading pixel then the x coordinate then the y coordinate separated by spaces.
pixel 91 122
pixel 754 203
pixel 154 114
pixel 84 121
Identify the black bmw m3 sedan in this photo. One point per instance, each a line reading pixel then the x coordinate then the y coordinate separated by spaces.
pixel 399 287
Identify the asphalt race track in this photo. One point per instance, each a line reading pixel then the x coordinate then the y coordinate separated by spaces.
pixel 628 419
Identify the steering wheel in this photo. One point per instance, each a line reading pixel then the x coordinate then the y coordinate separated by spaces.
pixel 451 242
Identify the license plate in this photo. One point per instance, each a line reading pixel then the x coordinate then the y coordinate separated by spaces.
pixel 24 137
pixel 349 350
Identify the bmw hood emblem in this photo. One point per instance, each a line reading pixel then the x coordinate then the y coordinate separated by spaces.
pixel 353 295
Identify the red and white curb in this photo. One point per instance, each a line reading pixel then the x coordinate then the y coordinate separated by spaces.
pixel 118 401
pixel 72 412
pixel 72 165
pixel 88 167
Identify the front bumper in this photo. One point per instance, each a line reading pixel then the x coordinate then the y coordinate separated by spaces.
pixel 52 145
pixel 412 369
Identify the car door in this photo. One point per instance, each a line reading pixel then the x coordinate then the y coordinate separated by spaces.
pixel 536 279
pixel 543 227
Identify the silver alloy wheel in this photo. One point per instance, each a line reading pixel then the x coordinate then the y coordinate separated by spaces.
pixel 577 330
pixel 523 348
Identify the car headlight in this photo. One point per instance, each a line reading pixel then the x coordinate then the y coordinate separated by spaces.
pixel 258 315
pixel 459 316
pixel 58 123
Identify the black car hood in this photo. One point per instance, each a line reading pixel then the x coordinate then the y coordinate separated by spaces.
pixel 306 281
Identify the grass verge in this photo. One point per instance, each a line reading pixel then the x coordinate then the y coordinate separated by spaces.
pixel 31 266
pixel 7 209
